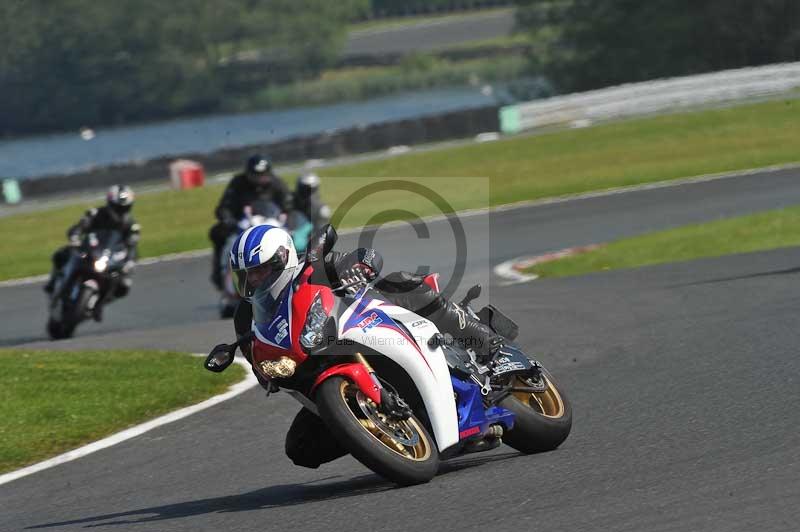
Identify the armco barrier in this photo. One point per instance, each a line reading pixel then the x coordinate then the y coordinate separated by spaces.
pixel 359 139
pixel 653 97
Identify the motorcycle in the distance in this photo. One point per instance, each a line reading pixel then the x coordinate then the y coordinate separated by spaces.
pixel 258 213
pixel 393 390
pixel 87 281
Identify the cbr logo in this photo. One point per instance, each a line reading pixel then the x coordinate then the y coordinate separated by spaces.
pixel 419 323
pixel 369 322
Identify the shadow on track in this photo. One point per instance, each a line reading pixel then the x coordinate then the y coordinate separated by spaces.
pixel 271 497
pixel 11 342
pixel 787 271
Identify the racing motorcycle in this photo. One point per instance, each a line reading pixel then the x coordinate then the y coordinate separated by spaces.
pixel 394 391
pixel 87 281
pixel 258 213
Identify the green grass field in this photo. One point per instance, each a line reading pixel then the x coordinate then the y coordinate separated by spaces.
pixel 767 230
pixel 56 401
pixel 518 168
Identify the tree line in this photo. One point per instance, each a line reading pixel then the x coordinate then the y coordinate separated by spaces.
pixel 588 44
pixel 69 63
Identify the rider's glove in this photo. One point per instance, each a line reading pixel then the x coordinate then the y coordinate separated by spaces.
pixel 128 267
pixel 357 277
pixel 74 241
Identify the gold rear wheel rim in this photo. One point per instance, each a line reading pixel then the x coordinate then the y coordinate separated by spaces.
pixel 548 403
pixel 418 452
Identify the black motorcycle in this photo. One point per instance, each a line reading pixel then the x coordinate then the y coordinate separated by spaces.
pixel 88 280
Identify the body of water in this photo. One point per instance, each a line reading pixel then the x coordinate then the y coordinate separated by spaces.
pixel 28 158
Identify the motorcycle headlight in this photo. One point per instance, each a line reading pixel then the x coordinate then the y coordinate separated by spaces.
pixel 283 367
pixel 311 335
pixel 101 264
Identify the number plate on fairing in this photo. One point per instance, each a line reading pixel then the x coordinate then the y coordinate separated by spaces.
pixel 510 359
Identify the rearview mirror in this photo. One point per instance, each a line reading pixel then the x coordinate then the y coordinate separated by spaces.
pixel 321 242
pixel 220 358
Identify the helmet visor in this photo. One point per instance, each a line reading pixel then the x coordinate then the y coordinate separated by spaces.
pixel 261 277
pixel 264 303
pixel 260 175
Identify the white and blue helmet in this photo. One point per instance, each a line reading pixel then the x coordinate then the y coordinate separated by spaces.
pixel 263 260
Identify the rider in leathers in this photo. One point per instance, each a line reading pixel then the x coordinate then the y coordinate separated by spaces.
pixel 308 442
pixel 257 182
pixel 114 216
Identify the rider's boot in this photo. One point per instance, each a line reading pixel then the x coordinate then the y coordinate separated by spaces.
pixel 468 331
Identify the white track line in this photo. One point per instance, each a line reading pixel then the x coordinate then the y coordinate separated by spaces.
pixel 483 210
pixel 511 270
pixel 510 275
pixel 138 430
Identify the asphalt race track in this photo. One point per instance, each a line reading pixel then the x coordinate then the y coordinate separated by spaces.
pixel 430 35
pixel 684 379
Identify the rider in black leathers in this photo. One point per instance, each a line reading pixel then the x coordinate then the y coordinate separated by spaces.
pixel 115 215
pixel 257 182
pixel 308 442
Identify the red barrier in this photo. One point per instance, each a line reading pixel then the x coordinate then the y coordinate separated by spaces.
pixel 186 174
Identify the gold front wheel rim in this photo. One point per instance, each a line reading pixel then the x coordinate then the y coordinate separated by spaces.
pixel 418 452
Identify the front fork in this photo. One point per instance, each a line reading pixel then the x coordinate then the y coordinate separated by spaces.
pixel 391 403
pixel 357 372
pixel 363 360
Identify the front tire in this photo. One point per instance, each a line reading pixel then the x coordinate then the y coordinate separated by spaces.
pixel 410 457
pixel 57 330
pixel 543 420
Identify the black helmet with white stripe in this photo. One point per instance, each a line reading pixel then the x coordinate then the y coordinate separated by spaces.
pixel 119 200
pixel 259 170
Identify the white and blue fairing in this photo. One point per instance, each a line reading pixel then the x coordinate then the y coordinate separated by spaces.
pixel 403 336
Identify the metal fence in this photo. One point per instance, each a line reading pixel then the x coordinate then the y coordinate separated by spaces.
pixel 653 97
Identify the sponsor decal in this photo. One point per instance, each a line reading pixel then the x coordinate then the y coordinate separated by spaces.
pixel 419 323
pixel 369 322
pixel 283 330
pixel 499 369
pixel 468 432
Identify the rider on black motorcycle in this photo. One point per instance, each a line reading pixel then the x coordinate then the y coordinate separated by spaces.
pixel 114 216
pixel 258 182
pixel 263 281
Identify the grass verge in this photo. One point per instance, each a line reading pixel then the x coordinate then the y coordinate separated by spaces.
pixel 756 232
pixel 57 401
pixel 519 168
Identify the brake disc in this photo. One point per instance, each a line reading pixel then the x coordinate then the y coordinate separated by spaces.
pixel 395 430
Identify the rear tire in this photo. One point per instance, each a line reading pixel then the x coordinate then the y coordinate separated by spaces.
pixel 403 464
pixel 543 420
